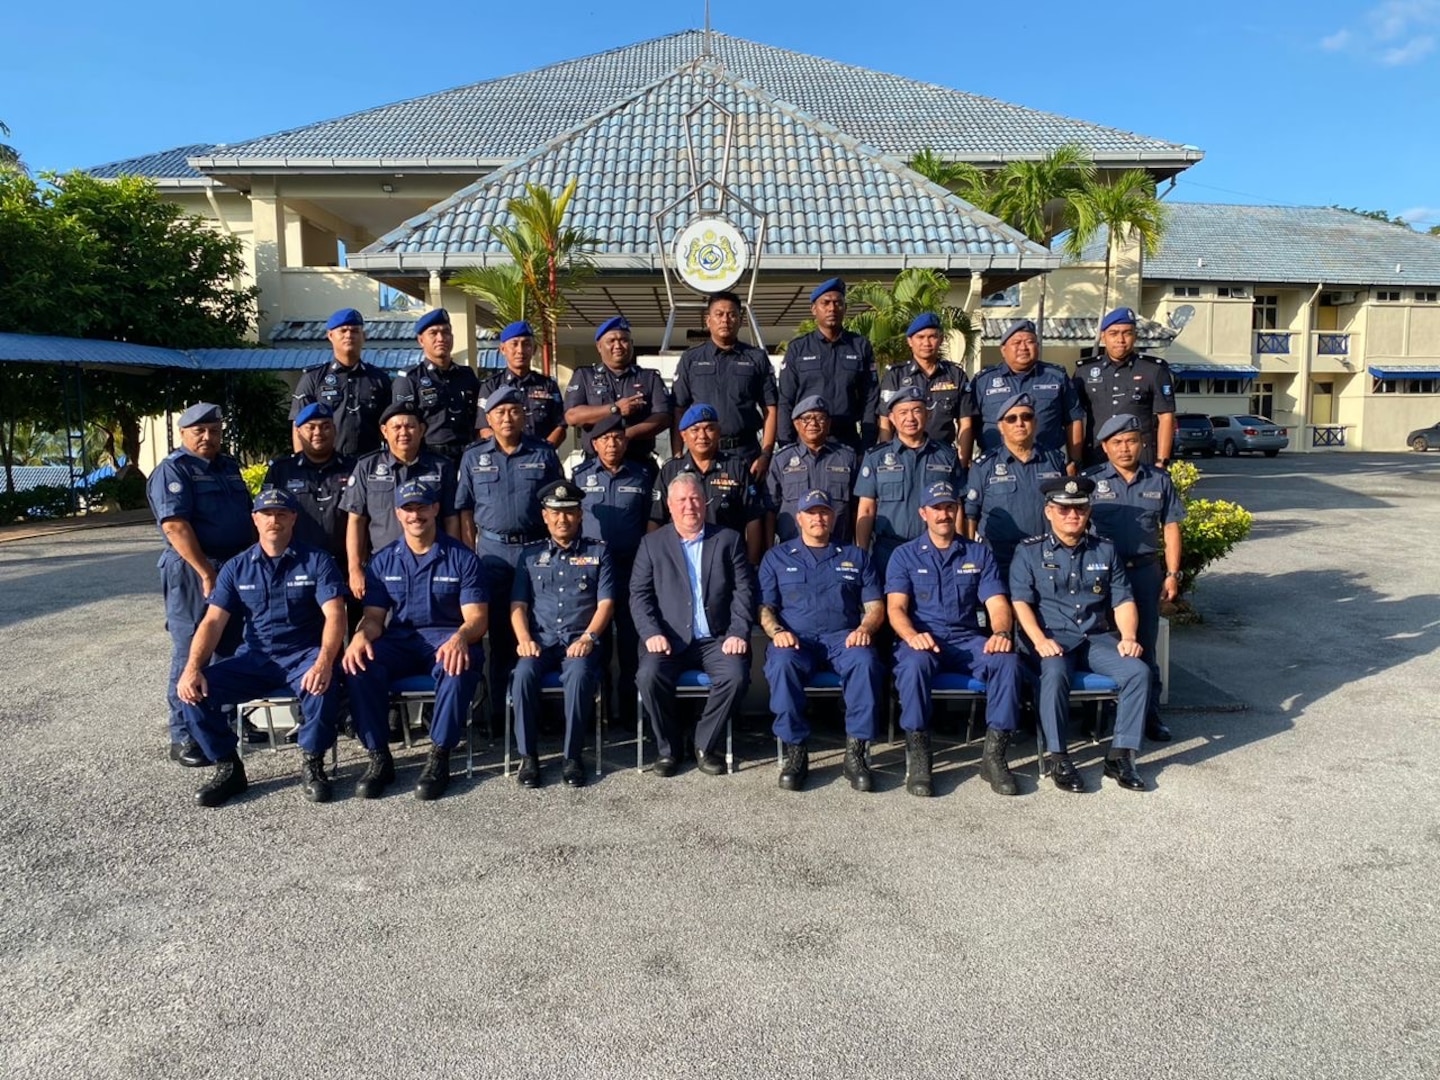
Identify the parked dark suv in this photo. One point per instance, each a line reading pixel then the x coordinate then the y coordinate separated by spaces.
pixel 1194 435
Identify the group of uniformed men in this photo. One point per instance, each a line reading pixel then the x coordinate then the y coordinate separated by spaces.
pixel 413 511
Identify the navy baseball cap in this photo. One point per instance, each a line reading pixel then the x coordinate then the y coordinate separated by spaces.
pixel 316 410
pixel 815 499
pixel 344 317
pixel 416 493
pixel 275 499
pixel 939 494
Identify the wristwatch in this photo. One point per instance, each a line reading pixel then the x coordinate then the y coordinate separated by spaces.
pixel 1008 635
pixel 1172 573
pixel 614 410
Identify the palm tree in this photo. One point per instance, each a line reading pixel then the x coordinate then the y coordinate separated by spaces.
pixel 500 287
pixel 9 156
pixel 1127 209
pixel 882 312
pixel 970 182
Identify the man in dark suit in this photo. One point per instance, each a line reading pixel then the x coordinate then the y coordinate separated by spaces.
pixel 693 596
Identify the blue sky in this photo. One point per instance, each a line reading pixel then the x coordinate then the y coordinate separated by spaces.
pixel 1294 103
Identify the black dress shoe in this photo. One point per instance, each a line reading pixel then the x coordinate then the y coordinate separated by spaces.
pixel 573 772
pixel 228 781
pixel 1122 770
pixel 666 766
pixel 529 774
pixel 710 764
pixel 1064 773
pixel 189 755
pixel 1156 731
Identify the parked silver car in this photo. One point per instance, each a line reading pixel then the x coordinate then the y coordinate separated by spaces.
pixel 1249 434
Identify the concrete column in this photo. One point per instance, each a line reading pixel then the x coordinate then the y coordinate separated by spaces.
pixel 462 319
pixel 1301 441
pixel 267 212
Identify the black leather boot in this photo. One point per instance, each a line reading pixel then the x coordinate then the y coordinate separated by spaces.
pixel 435 777
pixel 795 767
pixel 857 765
pixel 378 775
pixel 993 766
pixel 917 763
pixel 228 781
pixel 315 784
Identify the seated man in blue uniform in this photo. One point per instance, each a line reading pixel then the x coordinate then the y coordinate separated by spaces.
pixel 429 585
pixel 693 592
pixel 561 603
pixel 821 606
pixel 935 587
pixel 1067 585
pixel 292 601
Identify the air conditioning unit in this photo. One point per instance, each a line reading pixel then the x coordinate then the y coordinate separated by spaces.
pixel 1336 299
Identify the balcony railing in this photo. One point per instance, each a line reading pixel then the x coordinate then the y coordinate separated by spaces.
pixel 1330 343
pixel 1272 342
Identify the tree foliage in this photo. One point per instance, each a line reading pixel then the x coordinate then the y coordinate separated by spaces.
pixel 882 311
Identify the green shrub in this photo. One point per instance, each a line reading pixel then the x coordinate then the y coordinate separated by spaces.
pixel 38 504
pixel 127 491
pixel 1210 529
pixel 254 476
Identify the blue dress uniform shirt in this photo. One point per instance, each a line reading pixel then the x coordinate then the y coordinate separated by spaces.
pixel 1072 589
pixel 1139 385
pixel 358 395
pixel 1004 497
pixel 596 384
pixel 896 476
pixel 796 469
pixel 279 598
pixel 616 506
pixel 1055 400
pixel 843 373
pixel 562 587
pixel 946 588
pixel 424 593
pixel 738 382
pixel 500 489
pixel 318 488
pixel 371 490
pixel 1133 516
pixel 818 591
pixel 446 398
pixel 544 410
pixel 731 499
pixel 210 495
pixel 945 391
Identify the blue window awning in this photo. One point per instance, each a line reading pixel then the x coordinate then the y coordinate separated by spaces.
pixel 1405 372
pixel 1213 371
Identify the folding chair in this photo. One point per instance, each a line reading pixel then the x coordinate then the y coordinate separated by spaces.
pixel 948 686
pixel 416 692
pixel 551 686
pixel 690 684
pixel 280 698
pixel 1085 686
pixel 823 684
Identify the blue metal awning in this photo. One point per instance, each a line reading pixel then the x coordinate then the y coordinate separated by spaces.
pixel 1214 371
pixel 1405 372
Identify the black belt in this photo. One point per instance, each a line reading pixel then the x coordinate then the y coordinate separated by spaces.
pixel 1140 560
pixel 508 538
pixel 736 442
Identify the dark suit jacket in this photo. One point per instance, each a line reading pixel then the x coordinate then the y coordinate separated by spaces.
pixel 660 586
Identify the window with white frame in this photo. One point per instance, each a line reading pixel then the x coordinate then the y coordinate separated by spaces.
pixel 1189 386
pixel 1185 290
pixel 1426 296
pixel 1266 313
pixel 1387 296
pixel 1228 386
pixel 1404 386
pixel 1262 399
pixel 1233 292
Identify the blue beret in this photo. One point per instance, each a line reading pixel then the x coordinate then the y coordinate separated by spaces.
pixel 698 414
pixel 400 408
pixel 1067 490
pixel 939 494
pixel 202 412
pixel 516 329
pixel 811 499
pixel 506 395
pixel 438 317
pixel 1016 327
pixel 316 410
pixel 344 317
pixel 835 284
pixel 928 321
pixel 607 424
pixel 414 492
pixel 813 403
pixel 560 495
pixel 275 499
pixel 1118 423
pixel 1016 399
pixel 904 394
pixel 1119 315
pixel 619 322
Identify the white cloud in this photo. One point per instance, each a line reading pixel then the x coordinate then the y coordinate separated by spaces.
pixel 1393 33
pixel 1409 52
pixel 1421 216
pixel 1336 41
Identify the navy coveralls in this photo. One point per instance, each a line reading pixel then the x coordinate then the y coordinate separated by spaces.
pixel 896 476
pixel 796 469
pixel 819 595
pixel 1004 497
pixel 357 395
pixel 1052 394
pixel 446 399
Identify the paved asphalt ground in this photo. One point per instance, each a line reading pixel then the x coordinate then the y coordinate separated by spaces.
pixel 1269 909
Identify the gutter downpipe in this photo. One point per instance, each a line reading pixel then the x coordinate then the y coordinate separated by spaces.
pixel 1303 375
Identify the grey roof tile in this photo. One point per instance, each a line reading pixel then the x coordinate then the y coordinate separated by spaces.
pixel 313 330
pixel 503 118
pixel 164 165
pixel 1085 330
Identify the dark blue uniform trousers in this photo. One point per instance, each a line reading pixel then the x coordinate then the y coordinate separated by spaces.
pixel 579 676
pixel 498 561
pixel 1145 583
pixel 184 608
pixel 1001 673
pixel 862 679
pixel 623 639
pixel 1099 653
pixel 248 675
pixel 400 657
pixel 729 677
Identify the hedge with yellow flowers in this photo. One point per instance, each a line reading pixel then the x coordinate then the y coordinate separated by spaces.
pixel 1210 529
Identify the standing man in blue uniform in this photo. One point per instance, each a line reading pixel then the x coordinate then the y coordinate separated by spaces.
pixel 369 497
pixel 821 606
pixel 1067 585
pixel 731 498
pixel 357 392
pixel 1004 503
pixel 201 503
pixel 836 364
pixel 444 393
pixel 539 393
pixel 1124 382
pixel 316 478
pixel 561 604
pixel 693 592
pixel 617 511
pixel 934 589
pixel 498 497
pixel 291 600
pixel 430 587
pixel 736 380
pixel 617 386
pixel 1059 415
pixel 813 462
pixel 1136 508
pixel 942 382
pixel 895 476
